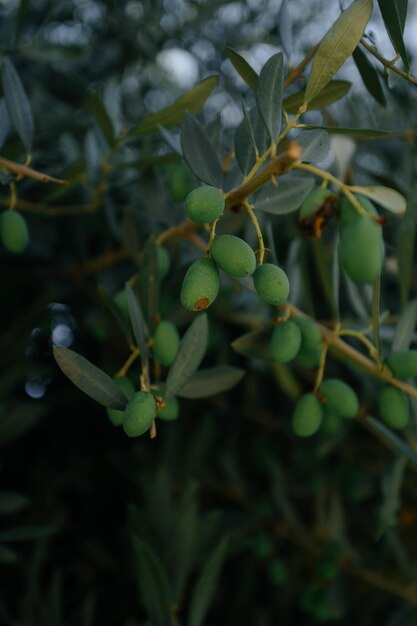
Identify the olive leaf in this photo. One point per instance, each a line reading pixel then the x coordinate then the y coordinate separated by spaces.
pixel 285 27
pixel 17 103
pixel 369 75
pixel 138 323
pixel 199 153
pixel 405 328
pixel 101 116
pixel 388 198
pixel 250 136
pixel 337 45
pixel 285 198
pixel 315 145
pixel 89 378
pixel 254 345
pixel 172 115
pixel 352 132
pixel 393 440
pixel 269 91
pixel 210 381
pixel 244 69
pixel 394 13
pixel 332 92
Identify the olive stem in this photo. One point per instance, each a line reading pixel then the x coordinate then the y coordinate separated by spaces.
pixel 360 337
pixel 322 366
pixel 376 288
pixel 212 234
pixel 389 65
pixel 259 235
pixel 128 363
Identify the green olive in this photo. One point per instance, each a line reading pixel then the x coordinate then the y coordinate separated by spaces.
pixel 13 231
pixel 233 255
pixel 394 407
pixel 285 342
pixel 139 414
pixel 126 386
pixel 200 285
pixel 204 204
pixel 166 342
pixel 403 364
pixel 307 417
pixel 339 397
pixel 271 283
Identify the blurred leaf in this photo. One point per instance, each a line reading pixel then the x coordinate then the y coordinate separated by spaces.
pixel 285 198
pixel 394 13
pixel 189 356
pixel 405 245
pixel 199 153
pixel 4 131
pixel 149 282
pixel 17 103
pixel 206 585
pixel 332 92
pixel 405 327
pixel 171 139
pixel 18 419
pixel 353 132
pixel 138 323
pixel 388 198
pixel 315 145
pixel 27 533
pixel 269 91
pixel 53 54
pixel 209 382
pixel 254 345
pixel 12 502
pixel 250 137
pixel 369 75
pixel 243 68
pixel 285 28
pixel 172 115
pixel 89 378
pixel 153 584
pixel 7 556
pixel 21 16
pixel 117 314
pixel 393 440
pixel 101 116
pixel 391 487
pixel 337 45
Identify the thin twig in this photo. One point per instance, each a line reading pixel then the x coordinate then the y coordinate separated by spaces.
pixel 389 65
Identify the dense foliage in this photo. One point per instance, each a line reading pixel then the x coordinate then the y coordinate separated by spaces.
pixel 210 231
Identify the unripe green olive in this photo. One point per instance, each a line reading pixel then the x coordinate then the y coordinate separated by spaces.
pixel 233 255
pixel 394 407
pixel 339 397
pixel 163 260
pixel 125 385
pixel 204 204
pixel 180 182
pixel 307 417
pixel 310 359
pixel 361 249
pixel 285 342
pixel 271 283
pixel 170 411
pixel 139 414
pixel 332 422
pixel 310 333
pixel 13 231
pixel 348 213
pixel 166 342
pixel 120 298
pixel 200 285
pixel 403 364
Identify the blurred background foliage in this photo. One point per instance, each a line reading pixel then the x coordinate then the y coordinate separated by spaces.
pixel 224 518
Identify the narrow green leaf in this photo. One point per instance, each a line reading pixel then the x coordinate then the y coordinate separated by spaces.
pixel 138 323
pixel 17 103
pixel 352 132
pixel 369 75
pixel 12 502
pixel 101 116
pixel 393 440
pixel 190 354
pixel 153 584
pixel 199 153
pixel 117 314
pixel 250 136
pixel 285 29
pixel 254 345
pixel 243 68
pixel 405 328
pixel 405 247
pixel 211 381
pixel 402 7
pixel 172 115
pixel 388 198
pixel 337 45
pixel 26 533
pixel 206 585
pixel 394 20
pixel 269 91
pixel 89 378
pixel 285 198
pixel 315 145
pixel 333 91
pixel 149 282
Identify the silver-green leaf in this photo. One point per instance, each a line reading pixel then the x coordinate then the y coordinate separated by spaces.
pixel 269 92
pixel 285 198
pixel 199 153
pixel 17 103
pixel 210 381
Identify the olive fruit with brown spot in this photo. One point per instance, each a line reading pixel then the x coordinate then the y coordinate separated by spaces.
pixel 204 204
pixel 233 255
pixel 200 285
pixel 285 342
pixel 271 283
pixel 139 414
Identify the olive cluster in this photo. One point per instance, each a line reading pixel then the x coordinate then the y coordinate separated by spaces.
pixel 229 253
pixel 144 406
